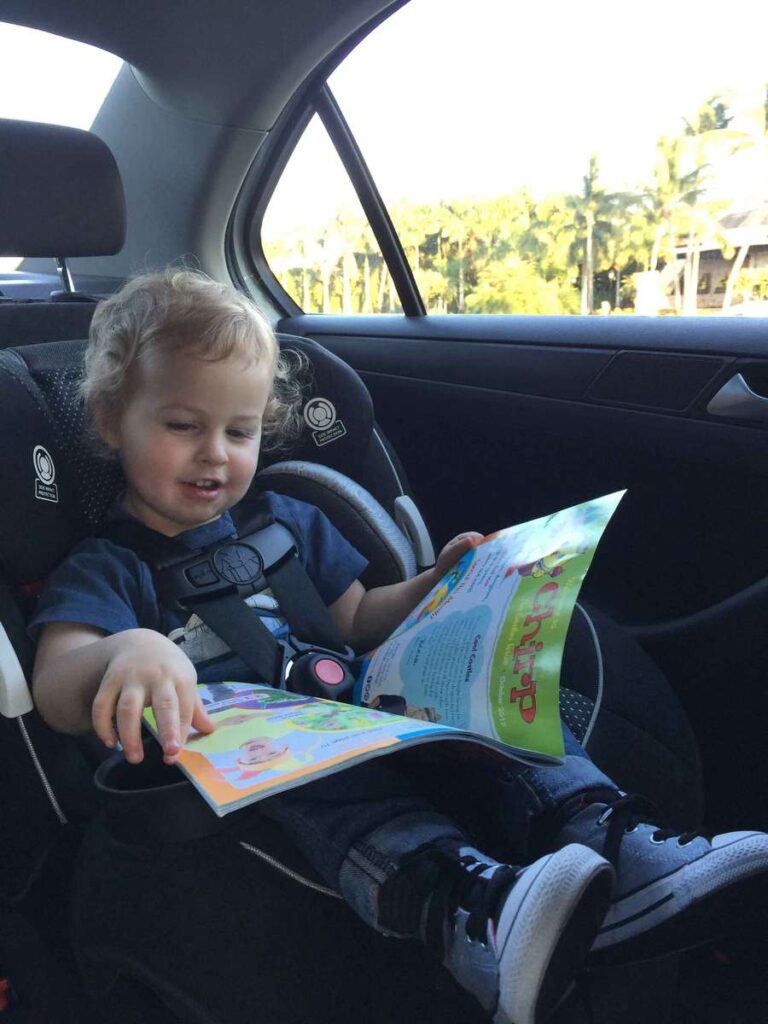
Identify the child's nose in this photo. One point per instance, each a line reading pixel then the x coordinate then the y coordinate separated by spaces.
pixel 214 450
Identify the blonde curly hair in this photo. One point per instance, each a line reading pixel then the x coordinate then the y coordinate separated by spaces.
pixel 184 310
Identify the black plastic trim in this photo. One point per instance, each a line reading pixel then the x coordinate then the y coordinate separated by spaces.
pixel 372 203
pixel 521 369
pixel 724 336
pixel 656 434
pixel 243 250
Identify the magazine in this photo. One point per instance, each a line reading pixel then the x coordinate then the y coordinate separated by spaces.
pixel 478 660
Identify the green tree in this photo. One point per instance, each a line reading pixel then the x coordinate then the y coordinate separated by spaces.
pixel 707 143
pixel 513 285
pixel 758 139
pixel 668 201
pixel 712 115
pixel 594 214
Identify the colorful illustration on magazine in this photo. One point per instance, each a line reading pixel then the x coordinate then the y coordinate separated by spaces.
pixel 324 716
pixel 396 704
pixel 239 756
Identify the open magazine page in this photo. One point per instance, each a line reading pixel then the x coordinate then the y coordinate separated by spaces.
pixel 477 661
pixel 268 740
pixel 483 651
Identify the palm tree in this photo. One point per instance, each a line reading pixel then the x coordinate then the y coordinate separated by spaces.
pixel 681 178
pixel 593 223
pixel 758 139
pixel 668 202
pixel 544 238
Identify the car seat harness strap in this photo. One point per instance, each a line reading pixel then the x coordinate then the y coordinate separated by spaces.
pixel 214 582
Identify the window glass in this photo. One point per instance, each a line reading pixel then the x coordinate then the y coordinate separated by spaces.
pixel 316 238
pixel 47 78
pixel 540 158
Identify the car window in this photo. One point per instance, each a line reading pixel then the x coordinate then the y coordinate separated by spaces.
pixel 47 78
pixel 316 238
pixel 534 160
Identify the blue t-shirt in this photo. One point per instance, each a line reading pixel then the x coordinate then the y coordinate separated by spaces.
pixel 108 586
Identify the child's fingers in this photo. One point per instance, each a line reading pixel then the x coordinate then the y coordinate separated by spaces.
pixel 103 716
pixel 201 720
pixel 463 542
pixel 186 711
pixel 192 714
pixel 130 705
pixel 165 704
pixel 469 539
pixel 455 548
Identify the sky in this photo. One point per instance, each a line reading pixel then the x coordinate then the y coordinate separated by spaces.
pixel 509 94
pixel 449 98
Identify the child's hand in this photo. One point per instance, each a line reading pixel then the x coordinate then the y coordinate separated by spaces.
pixel 149 671
pixel 453 551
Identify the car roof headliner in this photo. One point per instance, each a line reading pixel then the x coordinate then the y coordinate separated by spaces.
pixel 226 62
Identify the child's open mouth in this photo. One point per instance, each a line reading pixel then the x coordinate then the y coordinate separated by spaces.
pixel 203 488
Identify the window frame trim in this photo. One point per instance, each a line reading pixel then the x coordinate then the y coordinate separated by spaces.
pixel 243 249
pixel 373 205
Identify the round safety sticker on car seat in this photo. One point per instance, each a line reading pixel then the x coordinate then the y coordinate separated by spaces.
pixel 320 417
pixel 45 471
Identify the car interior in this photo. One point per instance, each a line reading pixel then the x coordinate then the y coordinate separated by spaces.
pixel 450 423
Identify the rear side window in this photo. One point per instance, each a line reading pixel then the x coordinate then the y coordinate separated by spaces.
pixel 316 238
pixel 47 78
pixel 537 159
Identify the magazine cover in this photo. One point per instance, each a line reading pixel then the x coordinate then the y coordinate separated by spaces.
pixel 483 651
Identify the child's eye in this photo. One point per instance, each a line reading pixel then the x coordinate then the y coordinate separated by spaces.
pixel 179 426
pixel 240 434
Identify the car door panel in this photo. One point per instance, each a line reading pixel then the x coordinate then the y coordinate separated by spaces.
pixel 501 419
pixel 494 430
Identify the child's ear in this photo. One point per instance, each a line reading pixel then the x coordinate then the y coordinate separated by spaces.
pixel 107 426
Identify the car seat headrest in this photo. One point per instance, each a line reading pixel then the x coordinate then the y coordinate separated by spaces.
pixel 54 486
pixel 60 192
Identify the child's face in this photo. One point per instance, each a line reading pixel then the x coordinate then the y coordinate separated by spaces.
pixel 189 437
pixel 260 749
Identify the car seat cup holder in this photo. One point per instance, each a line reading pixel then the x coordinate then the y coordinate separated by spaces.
pixel 153 801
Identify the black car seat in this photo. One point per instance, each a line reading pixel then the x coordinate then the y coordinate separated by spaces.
pixel 55 491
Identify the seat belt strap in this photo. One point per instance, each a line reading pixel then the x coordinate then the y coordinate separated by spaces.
pixel 241 629
pixel 178 571
pixel 300 603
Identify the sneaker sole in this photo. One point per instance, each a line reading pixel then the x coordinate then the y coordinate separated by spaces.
pixel 688 907
pixel 554 924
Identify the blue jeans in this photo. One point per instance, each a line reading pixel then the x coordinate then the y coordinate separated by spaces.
pixel 356 826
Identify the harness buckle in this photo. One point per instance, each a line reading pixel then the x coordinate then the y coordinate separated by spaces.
pixel 318 671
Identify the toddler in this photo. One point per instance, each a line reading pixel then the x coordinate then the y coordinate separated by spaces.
pixel 183 378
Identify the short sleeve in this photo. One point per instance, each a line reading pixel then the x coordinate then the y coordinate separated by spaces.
pixel 99 584
pixel 332 563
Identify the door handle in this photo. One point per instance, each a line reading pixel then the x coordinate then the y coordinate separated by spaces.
pixel 738 401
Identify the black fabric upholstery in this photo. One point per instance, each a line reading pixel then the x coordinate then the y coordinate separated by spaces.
pixel 634 726
pixel 60 192
pixel 41 410
pixel 38 517
pixel 344 444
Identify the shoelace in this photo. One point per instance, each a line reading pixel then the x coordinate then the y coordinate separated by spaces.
pixel 625 814
pixel 458 882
